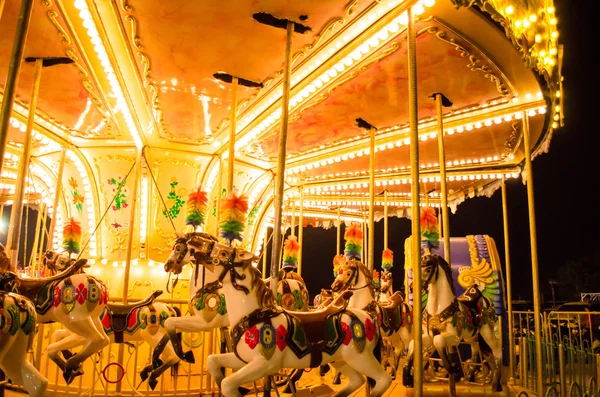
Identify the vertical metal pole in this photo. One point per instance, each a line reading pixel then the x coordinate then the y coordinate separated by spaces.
pixel 301 229
pixel 36 240
pixel 133 206
pixel 12 77
pixel 232 122
pixel 61 169
pixel 293 225
pixel 444 186
pixel 219 195
pixel 339 231
pixel 511 337
pixel 16 215
pixel 281 160
pixel 385 219
pixel 416 227
pixel 264 254
pixel 371 251
pixel 363 254
pixel 1 7
pixel 534 257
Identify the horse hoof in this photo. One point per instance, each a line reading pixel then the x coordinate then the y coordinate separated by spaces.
pixel 188 357
pixel 323 369
pixel 70 374
pixel 407 377
pixel 152 382
pixel 157 363
pixel 337 380
pixel 145 373
pixel 67 354
pixel 243 391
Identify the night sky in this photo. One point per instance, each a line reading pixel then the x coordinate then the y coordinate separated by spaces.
pixel 566 211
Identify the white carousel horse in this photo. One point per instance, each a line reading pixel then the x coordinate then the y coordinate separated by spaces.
pixel 448 320
pixel 394 317
pixel 17 330
pixel 75 300
pixel 267 338
pixel 141 321
pixel 56 262
pixel 386 289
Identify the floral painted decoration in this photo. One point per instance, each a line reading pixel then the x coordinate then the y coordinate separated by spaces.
pixel 174 210
pixel 78 198
pixel 120 193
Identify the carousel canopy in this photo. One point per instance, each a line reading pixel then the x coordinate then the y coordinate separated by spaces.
pixel 150 74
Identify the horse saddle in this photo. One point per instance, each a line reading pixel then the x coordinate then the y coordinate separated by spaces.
pixel 126 317
pixel 471 299
pixel 10 315
pixel 40 290
pixel 317 331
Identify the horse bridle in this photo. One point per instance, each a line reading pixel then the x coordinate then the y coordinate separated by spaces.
pixel 432 275
pixel 354 279
pixel 224 256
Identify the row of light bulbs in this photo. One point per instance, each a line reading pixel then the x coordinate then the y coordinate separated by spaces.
pixel 92 31
pixel 424 137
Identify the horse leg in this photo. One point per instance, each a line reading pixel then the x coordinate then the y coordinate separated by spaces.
pixel 259 367
pixel 20 370
pixel 188 324
pixel 440 343
pixel 292 379
pixel 355 379
pixel 368 365
pixel 92 331
pixel 472 365
pixel 492 354
pixel 64 341
pixel 407 376
pixel 215 362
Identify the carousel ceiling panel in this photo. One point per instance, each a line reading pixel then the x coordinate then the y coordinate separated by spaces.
pixel 67 94
pixel 181 44
pixel 376 89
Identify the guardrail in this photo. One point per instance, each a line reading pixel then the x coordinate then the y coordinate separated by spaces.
pixel 569 349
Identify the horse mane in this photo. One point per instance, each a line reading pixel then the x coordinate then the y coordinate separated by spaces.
pixel 441 262
pixel 368 276
pixel 262 291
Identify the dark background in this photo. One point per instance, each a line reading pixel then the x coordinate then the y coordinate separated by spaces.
pixel 567 209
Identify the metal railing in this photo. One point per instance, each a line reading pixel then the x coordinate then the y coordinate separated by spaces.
pixel 570 348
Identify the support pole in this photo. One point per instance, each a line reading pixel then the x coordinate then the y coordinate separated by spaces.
pixel 133 206
pixel 439 99
pixel 385 219
pixel 16 214
pixel 281 161
pixel 339 231
pixel 264 254
pixel 12 77
pixel 371 251
pixel 232 119
pixel 301 230
pixel 59 176
pixel 511 337
pixel 1 8
pixel 219 195
pixel 416 227
pixel 534 257
pixel 363 254
pixel 293 225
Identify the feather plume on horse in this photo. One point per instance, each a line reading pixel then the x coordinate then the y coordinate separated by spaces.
pixel 291 248
pixel 72 237
pixel 196 207
pixel 353 237
pixel 234 210
pixel 430 231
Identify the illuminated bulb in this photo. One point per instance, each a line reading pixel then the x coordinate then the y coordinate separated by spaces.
pixel 532 18
pixel 553 51
pixel 403 19
pixel 526 23
pixel 450 131
pixel 429 3
pixel 553 21
pixel 509 10
pixel 538 38
pixel 418 9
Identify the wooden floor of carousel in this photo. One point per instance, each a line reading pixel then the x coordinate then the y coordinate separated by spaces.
pixel 313 385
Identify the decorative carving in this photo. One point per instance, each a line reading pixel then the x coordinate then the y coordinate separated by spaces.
pixel 514 139
pixel 139 283
pixel 46 3
pixel 329 28
pixel 53 15
pixel 126 7
pixel 71 53
pixel 350 7
pixel 137 41
pixel 87 84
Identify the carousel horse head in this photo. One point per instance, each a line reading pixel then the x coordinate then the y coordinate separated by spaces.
pixel 4 260
pixel 386 281
pixel 347 274
pixel 188 247
pixel 9 282
pixel 56 262
pixel 430 269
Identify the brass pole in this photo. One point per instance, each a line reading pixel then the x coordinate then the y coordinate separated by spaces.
pixel 511 338
pixel 219 195
pixel 232 122
pixel 61 169
pixel 133 209
pixel 371 251
pixel 293 226
pixel 339 231
pixel 301 229
pixel 16 215
pixel 416 227
pixel 12 77
pixel 36 240
pixel 444 186
pixel 281 161
pixel 264 254
pixel 42 238
pixel 1 7
pixel 534 257
pixel 363 254
pixel 385 219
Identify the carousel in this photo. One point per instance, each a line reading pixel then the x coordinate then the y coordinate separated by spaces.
pixel 153 154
